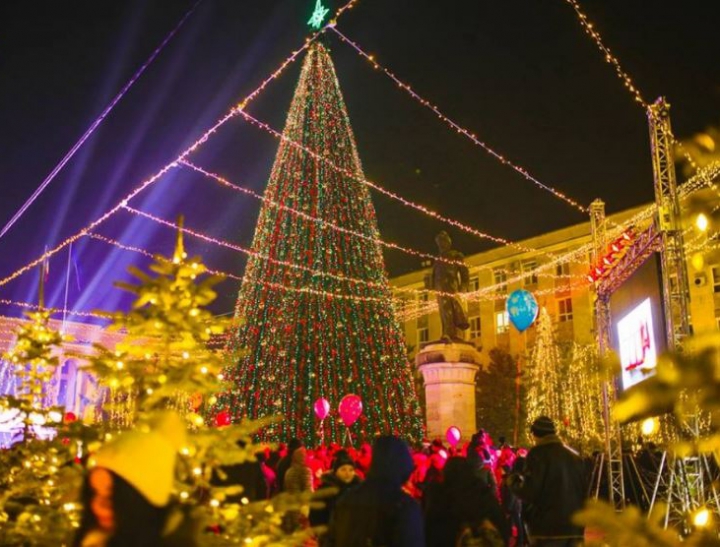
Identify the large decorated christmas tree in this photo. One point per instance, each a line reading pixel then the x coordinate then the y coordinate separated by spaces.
pixel 315 309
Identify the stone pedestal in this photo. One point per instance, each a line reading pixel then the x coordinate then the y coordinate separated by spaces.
pixel 449 374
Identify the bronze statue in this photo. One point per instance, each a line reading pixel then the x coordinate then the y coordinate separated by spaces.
pixel 448 277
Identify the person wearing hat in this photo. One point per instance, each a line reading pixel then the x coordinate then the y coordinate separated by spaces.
pixel 127 491
pixel 552 486
pixel 378 511
pixel 342 477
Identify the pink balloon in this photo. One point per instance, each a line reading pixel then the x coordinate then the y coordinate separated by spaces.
pixel 350 408
pixel 453 435
pixel 322 408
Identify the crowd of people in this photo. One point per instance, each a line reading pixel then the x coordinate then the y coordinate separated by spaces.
pixel 475 493
pixel 387 494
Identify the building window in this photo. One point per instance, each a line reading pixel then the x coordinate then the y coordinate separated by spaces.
pixel 423 335
pixel 502 322
pixel 500 278
pixel 529 266
pixel 474 284
pixel 562 269
pixel 716 278
pixel 565 310
pixel 474 327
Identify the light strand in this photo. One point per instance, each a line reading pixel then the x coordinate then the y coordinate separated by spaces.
pixel 96 123
pixel 315 219
pixel 502 159
pixel 192 148
pixel 388 193
pixel 609 57
pixel 258 255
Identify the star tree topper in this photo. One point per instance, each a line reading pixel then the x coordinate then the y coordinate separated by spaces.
pixel 318 15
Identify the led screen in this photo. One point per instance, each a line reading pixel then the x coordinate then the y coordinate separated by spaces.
pixel 637 331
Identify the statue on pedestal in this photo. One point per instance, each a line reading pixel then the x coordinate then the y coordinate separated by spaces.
pixel 450 276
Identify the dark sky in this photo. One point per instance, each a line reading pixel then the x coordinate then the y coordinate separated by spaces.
pixel 521 74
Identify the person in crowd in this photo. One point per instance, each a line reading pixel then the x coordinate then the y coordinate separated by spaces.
pixel 298 479
pixel 342 476
pixel 284 463
pixel 511 503
pixel 378 512
pixel 552 486
pixel 480 459
pixel 463 506
pixel 248 474
pixel 126 494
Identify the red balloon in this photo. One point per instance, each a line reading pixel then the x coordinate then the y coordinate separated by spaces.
pixel 322 408
pixel 222 418
pixel 69 417
pixel 350 408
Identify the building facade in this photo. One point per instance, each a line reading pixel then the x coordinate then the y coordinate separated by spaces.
pixel 563 288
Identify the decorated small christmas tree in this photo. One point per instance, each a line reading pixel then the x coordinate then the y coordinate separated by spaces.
pixel 545 379
pixel 583 400
pixel 164 363
pixel 38 473
pixel 318 321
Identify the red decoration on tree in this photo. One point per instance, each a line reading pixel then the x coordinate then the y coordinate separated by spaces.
pixel 222 418
pixel 69 418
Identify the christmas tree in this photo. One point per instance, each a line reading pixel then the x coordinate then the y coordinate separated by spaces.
pixel 545 381
pixel 316 307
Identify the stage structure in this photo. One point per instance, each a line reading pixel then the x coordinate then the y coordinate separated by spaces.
pixel 316 311
pixel 685 483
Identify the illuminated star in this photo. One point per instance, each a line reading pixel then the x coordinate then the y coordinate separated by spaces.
pixel 318 15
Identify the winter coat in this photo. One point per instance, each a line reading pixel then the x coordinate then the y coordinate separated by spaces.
pixel 321 516
pixel 552 487
pixel 462 501
pixel 377 513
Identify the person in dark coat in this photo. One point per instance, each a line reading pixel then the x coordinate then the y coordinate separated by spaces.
pixel 378 512
pixel 342 477
pixel 462 502
pixel 552 487
pixel 285 463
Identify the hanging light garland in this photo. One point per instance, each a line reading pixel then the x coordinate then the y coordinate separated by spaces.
pixel 453 125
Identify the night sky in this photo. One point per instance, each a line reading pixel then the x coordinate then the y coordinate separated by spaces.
pixel 521 74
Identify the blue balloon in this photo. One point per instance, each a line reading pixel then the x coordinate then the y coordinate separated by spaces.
pixel 522 309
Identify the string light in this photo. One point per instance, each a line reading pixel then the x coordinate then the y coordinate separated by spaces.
pixel 192 148
pixel 316 219
pixel 609 57
pixel 502 159
pixel 388 193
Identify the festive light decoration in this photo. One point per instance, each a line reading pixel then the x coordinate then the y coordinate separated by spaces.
pixel 96 123
pixel 453 125
pixel 582 400
pixel 609 57
pixel 321 222
pixel 361 179
pixel 192 148
pixel 36 475
pixel 545 378
pixel 304 346
pixel 318 15
pixel 615 251
pixel 162 357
